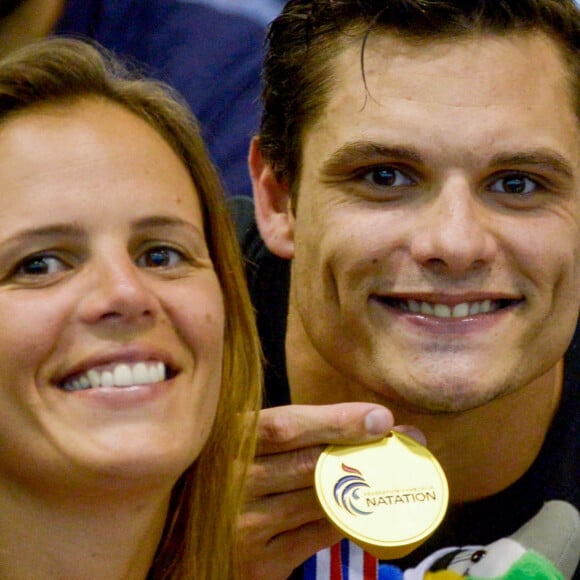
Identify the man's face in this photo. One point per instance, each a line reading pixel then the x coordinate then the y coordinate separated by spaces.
pixel 436 239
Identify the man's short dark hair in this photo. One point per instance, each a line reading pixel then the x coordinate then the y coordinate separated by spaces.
pixel 302 41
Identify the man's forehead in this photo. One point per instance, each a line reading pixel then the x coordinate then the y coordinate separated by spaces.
pixel 447 101
pixel 378 49
pixel 386 64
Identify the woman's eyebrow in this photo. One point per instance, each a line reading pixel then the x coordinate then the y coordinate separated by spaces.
pixel 43 232
pixel 163 223
pixel 166 221
pixel 74 231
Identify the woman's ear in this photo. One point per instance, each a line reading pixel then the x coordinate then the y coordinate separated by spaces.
pixel 274 214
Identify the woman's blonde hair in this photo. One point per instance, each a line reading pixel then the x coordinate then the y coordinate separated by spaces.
pixel 199 537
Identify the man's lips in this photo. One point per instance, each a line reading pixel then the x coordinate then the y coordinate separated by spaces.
pixel 464 309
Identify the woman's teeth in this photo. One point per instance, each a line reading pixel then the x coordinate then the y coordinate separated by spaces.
pixel 120 375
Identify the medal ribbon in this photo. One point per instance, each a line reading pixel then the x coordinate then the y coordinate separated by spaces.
pixel 343 561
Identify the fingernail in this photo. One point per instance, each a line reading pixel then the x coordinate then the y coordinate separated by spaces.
pixel 413 432
pixel 377 422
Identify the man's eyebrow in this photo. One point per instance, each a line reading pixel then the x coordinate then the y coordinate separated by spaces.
pixel 546 158
pixel 353 153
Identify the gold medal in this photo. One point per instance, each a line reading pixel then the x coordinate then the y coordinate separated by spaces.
pixel 388 496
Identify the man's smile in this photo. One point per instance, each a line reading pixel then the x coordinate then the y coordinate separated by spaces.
pixel 441 310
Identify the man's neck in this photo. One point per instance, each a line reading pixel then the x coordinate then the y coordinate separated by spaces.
pixel 482 450
pixel 486 449
pixel 31 21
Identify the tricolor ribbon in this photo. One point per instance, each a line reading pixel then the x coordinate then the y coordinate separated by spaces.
pixel 343 561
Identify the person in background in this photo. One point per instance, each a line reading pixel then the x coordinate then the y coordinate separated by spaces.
pixel 129 362
pixel 417 262
pixel 211 57
pixel 263 10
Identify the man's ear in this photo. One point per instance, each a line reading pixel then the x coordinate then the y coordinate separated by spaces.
pixel 274 214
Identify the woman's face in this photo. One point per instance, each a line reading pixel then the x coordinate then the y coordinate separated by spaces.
pixel 111 313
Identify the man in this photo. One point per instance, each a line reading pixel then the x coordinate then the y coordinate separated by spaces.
pixel 417 185
pixel 212 58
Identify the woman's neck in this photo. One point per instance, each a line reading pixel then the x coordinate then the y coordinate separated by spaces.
pixel 84 538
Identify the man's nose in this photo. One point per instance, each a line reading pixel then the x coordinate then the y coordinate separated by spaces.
pixel 454 235
pixel 118 291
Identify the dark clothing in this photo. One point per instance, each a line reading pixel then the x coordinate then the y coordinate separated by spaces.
pixel 213 59
pixel 269 282
pixel 555 474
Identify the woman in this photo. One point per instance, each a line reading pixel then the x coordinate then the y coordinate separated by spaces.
pixel 128 355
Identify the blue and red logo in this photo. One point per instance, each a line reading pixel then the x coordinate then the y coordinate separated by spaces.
pixel 346 491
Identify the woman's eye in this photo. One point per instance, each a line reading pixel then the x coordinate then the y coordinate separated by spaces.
pixel 388 177
pixel 515 184
pixel 41 265
pixel 160 257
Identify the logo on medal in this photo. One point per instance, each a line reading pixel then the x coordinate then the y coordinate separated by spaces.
pixel 347 488
pixel 353 494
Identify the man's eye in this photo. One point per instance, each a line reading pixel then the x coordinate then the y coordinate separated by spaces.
pixel 388 177
pixel 41 265
pixel 515 184
pixel 160 257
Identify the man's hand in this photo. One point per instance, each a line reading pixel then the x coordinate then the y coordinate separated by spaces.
pixel 283 524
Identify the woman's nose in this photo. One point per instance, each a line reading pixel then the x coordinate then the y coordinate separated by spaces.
pixel 118 292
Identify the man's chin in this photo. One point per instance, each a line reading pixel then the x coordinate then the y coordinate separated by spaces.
pixel 446 398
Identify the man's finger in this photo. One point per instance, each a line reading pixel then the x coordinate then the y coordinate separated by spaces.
pixel 288 550
pixel 270 516
pixel 294 426
pixel 413 432
pixel 283 472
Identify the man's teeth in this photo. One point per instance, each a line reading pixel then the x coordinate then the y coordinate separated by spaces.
pixel 444 311
pixel 120 375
